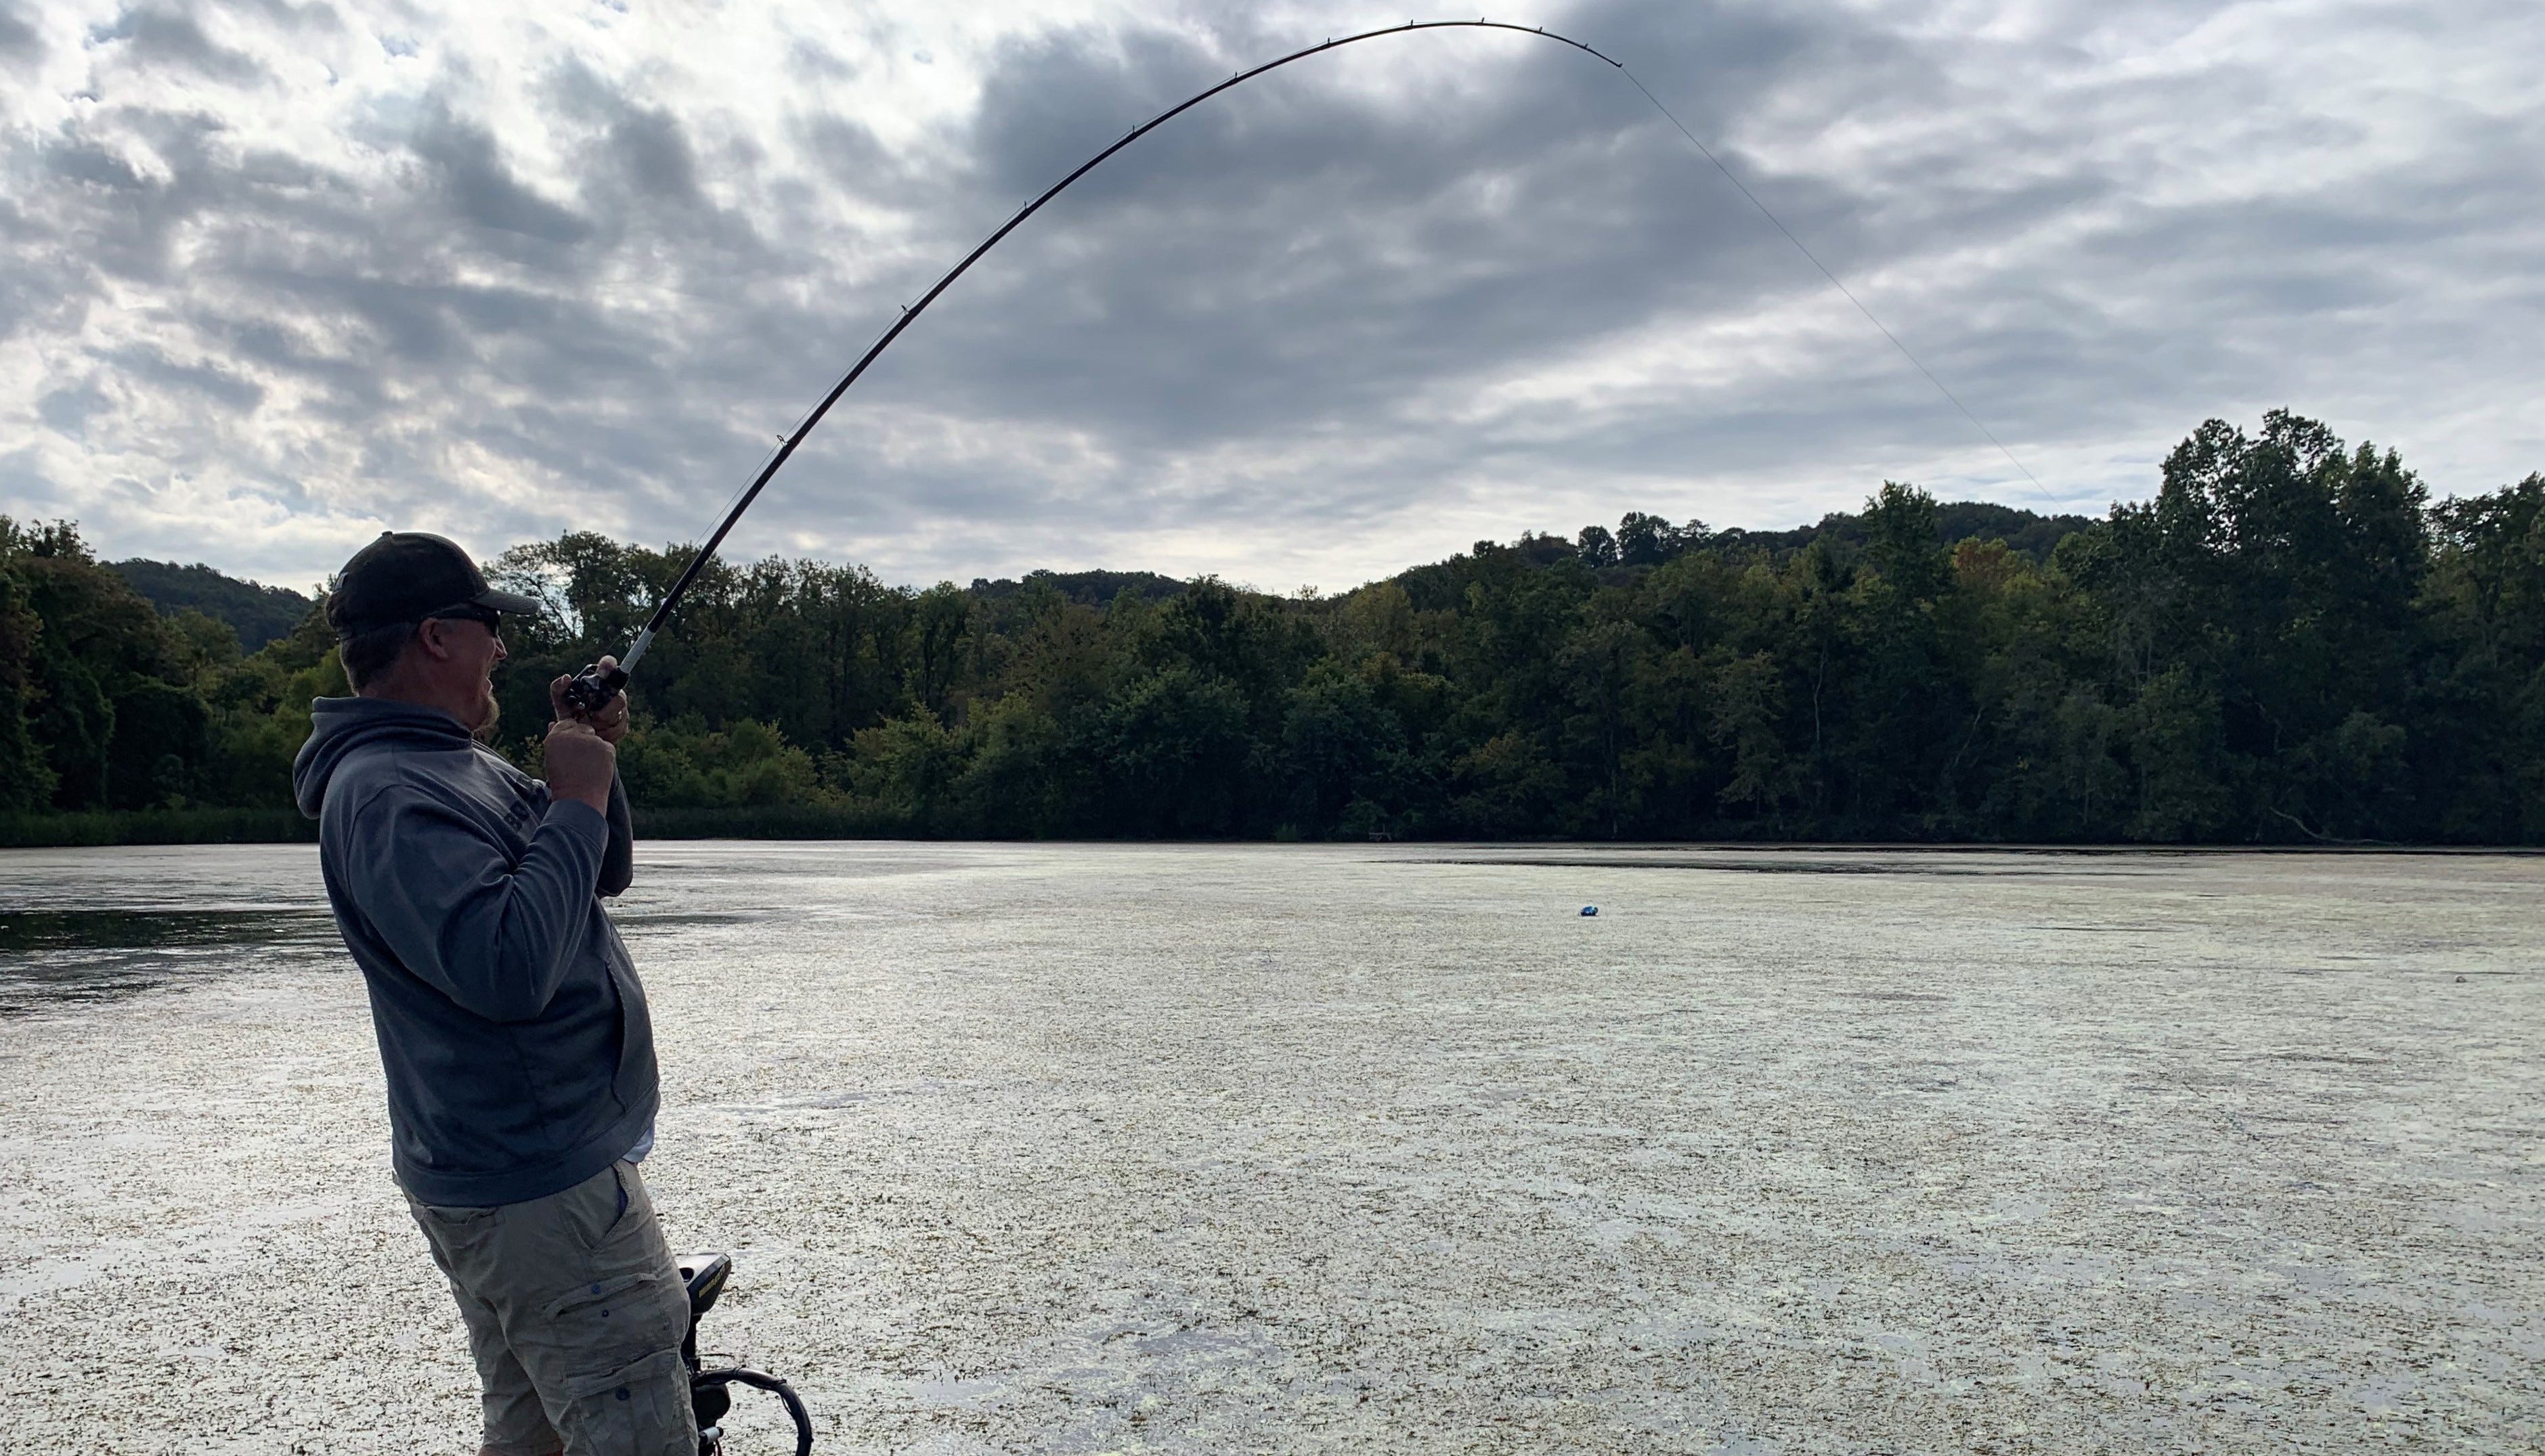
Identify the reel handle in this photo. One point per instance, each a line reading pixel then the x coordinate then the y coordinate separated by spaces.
pixel 593 688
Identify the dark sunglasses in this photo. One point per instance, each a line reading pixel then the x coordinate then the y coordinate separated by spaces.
pixel 488 616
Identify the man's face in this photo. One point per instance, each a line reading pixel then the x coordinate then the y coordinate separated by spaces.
pixel 474 648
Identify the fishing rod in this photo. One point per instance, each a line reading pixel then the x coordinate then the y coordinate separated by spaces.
pixel 595 686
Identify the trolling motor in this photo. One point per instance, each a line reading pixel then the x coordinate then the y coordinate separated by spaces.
pixel 704 1274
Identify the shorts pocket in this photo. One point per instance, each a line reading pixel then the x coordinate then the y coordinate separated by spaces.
pixel 627 1199
pixel 457 1237
pixel 610 1207
pixel 610 1320
pixel 640 1409
pixel 598 1300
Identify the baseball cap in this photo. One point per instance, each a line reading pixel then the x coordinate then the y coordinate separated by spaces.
pixel 407 575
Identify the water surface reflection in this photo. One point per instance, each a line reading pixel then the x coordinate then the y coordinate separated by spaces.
pixel 59 957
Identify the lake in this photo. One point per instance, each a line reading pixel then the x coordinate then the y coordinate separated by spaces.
pixel 1378 1148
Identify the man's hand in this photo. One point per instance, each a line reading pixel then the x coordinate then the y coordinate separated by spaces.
pixel 611 722
pixel 580 764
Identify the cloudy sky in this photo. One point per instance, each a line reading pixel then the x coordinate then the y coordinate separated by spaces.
pixel 276 275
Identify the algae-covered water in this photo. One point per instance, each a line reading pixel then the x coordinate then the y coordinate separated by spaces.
pixel 1071 1149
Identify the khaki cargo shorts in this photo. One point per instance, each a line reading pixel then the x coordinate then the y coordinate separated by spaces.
pixel 575 1313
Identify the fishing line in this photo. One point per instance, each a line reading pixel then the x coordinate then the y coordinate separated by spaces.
pixel 596 687
pixel 1731 176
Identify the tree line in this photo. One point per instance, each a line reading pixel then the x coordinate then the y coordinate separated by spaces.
pixel 2290 643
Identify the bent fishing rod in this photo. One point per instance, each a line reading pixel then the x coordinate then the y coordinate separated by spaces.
pixel 595 686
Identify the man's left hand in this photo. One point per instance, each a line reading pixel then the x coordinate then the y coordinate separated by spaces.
pixel 611 721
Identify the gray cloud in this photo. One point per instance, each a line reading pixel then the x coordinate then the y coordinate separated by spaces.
pixel 1348 317
pixel 18 41
pixel 68 409
pixel 208 383
pixel 476 184
pixel 170 38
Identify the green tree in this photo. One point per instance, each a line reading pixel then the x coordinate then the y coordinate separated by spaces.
pixel 2287 642
pixel 26 778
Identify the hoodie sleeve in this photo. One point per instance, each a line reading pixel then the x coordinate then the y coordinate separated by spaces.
pixel 495 938
pixel 618 858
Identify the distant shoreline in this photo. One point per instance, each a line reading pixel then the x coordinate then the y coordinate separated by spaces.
pixel 109 828
pixel 155 827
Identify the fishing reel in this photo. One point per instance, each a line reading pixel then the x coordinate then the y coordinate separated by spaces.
pixel 592 688
pixel 710 1394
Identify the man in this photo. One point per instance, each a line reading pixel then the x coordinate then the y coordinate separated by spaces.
pixel 511 1023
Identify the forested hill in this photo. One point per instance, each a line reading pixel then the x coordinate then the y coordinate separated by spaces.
pixel 2290 643
pixel 1086 587
pixel 258 613
pixel 1642 541
pixel 2028 534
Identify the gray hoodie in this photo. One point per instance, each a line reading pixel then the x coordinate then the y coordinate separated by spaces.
pixel 511 1023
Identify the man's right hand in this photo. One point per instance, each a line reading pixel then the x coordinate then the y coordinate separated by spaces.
pixel 580 764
